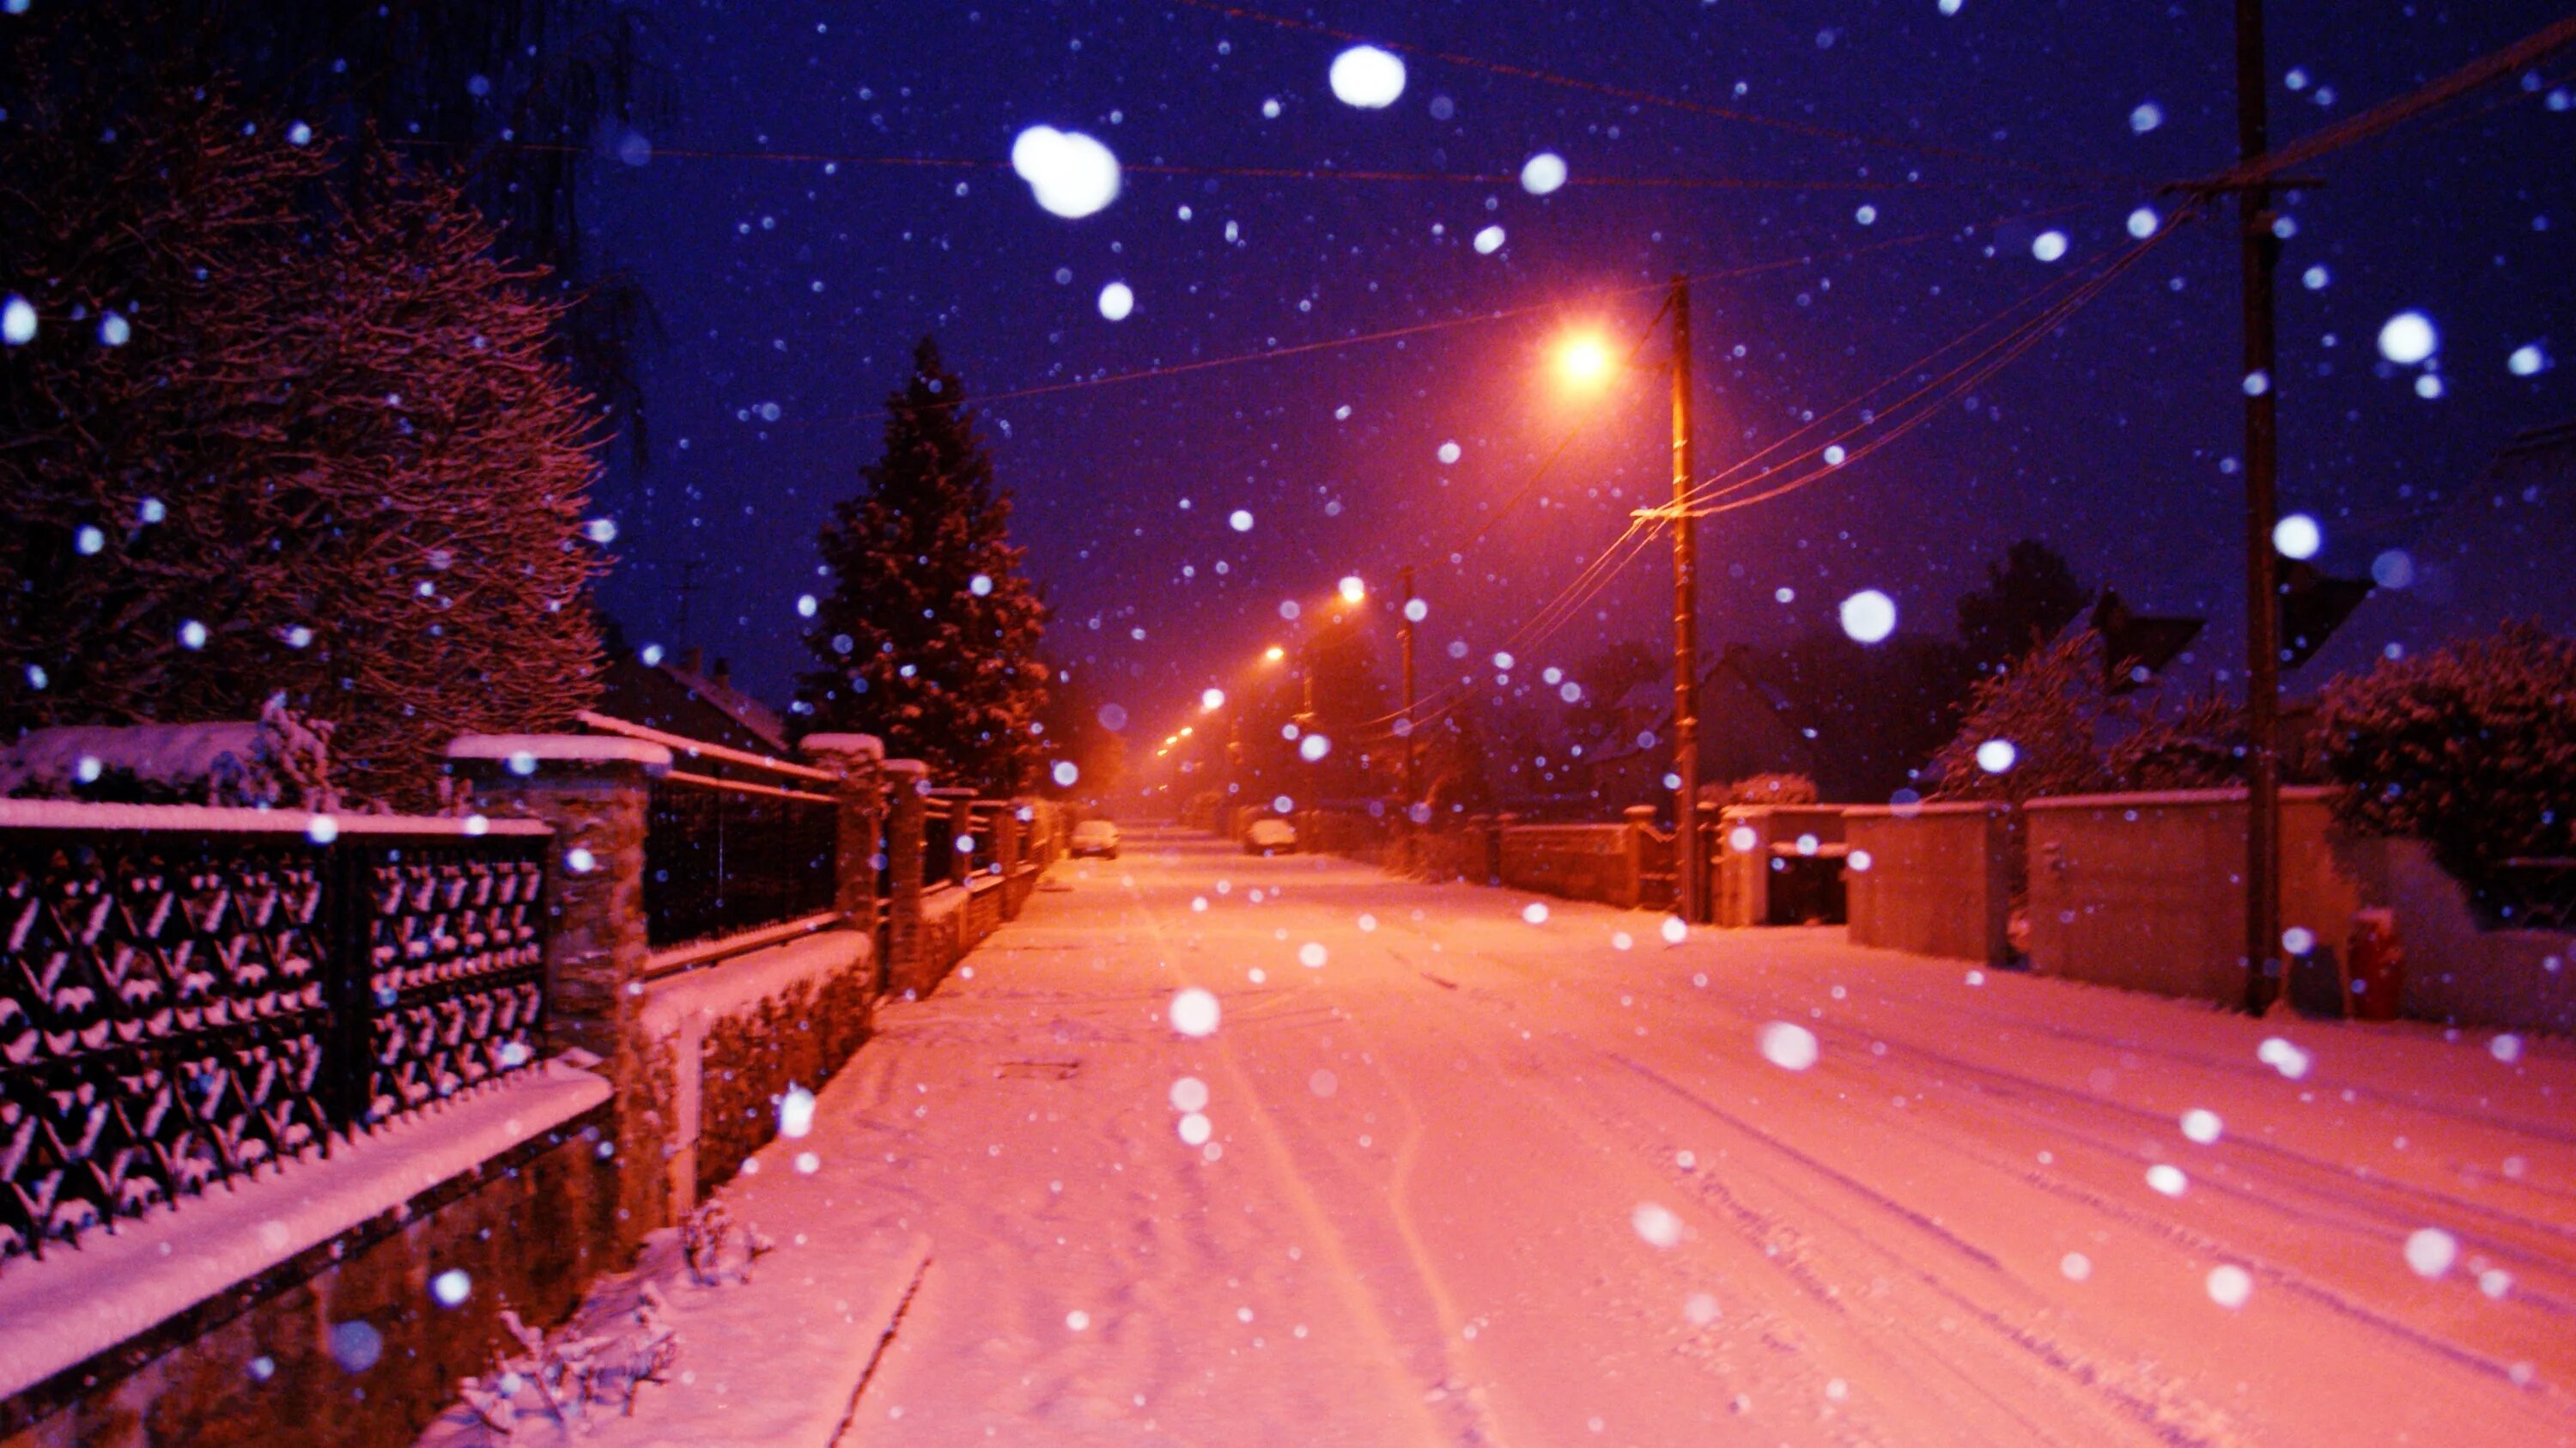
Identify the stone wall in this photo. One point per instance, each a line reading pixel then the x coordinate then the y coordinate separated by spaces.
pixel 343 1345
pixel 342 1342
pixel 1574 862
pixel 728 1041
pixel 1931 879
pixel 1756 844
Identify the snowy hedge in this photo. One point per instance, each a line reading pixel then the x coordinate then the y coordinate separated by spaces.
pixel 2470 747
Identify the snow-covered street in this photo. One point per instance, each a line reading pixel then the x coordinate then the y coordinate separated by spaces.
pixel 1478 1174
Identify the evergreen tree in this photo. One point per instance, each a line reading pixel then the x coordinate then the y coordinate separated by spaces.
pixel 2028 598
pixel 929 638
pixel 252 453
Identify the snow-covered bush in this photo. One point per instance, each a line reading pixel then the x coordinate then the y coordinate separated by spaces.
pixel 281 760
pixel 2470 747
pixel 1763 789
pixel 2049 724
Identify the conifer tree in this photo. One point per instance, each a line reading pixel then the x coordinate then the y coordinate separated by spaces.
pixel 929 637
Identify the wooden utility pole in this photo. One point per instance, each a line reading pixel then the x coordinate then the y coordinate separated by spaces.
pixel 2260 253
pixel 1412 746
pixel 1690 890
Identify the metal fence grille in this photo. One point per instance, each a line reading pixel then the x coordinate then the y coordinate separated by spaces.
pixel 722 856
pixel 181 1008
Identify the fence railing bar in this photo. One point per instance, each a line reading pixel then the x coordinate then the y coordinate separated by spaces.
pixel 198 819
pixel 744 786
pixel 681 743
pixel 680 958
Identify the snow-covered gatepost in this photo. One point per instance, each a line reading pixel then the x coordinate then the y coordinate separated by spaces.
pixel 905 779
pixel 1007 829
pixel 1643 852
pixel 860 760
pixel 594 792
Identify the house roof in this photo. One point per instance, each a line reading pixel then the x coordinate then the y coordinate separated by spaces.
pixel 2494 550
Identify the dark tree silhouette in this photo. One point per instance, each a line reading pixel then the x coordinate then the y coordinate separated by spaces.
pixel 2028 598
pixel 252 453
pixel 522 100
pixel 929 637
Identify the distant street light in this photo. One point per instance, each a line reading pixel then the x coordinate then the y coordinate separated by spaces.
pixel 1273 654
pixel 1353 591
pixel 1211 701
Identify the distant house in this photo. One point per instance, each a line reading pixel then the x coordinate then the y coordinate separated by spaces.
pixel 1744 730
pixel 2494 550
pixel 685 697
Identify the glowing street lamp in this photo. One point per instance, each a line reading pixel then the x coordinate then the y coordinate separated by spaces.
pixel 1584 360
pixel 1352 590
pixel 1273 654
pixel 1211 701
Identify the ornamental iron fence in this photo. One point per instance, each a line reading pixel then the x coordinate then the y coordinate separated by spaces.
pixel 733 841
pixel 189 995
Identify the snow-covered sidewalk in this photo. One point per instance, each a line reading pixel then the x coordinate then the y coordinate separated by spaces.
pixel 1447 1171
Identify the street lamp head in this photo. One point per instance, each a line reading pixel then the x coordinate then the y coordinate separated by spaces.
pixel 1353 590
pixel 1211 701
pixel 1584 360
pixel 1273 654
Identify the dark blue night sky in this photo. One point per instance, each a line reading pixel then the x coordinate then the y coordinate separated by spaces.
pixel 791 291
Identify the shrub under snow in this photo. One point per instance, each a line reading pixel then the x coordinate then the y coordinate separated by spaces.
pixel 2470 747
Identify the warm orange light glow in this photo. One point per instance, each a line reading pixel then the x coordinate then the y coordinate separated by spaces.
pixel 1584 360
pixel 1273 654
pixel 1353 590
pixel 1187 731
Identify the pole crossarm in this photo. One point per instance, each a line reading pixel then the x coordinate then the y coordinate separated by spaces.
pixel 2266 168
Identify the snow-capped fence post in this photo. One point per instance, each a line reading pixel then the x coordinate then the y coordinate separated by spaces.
pixel 1640 845
pixel 593 791
pixel 957 866
pixel 1006 853
pixel 858 758
pixel 905 779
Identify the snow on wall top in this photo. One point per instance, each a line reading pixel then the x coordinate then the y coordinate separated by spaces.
pixel 674 1003
pixel 2168 798
pixel 865 746
pixel 72 814
pixel 277 759
pixel 565 748
pixel 70 1306
pixel 1928 807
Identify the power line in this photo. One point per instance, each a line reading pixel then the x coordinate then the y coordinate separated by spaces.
pixel 2272 164
pixel 1598 574
pixel 1257 173
pixel 1976 369
pixel 1649 98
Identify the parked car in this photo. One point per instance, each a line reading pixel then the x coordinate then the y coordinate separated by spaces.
pixel 1270 837
pixel 1095 837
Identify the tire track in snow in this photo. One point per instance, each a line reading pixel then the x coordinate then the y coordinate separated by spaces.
pixel 1362 1305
